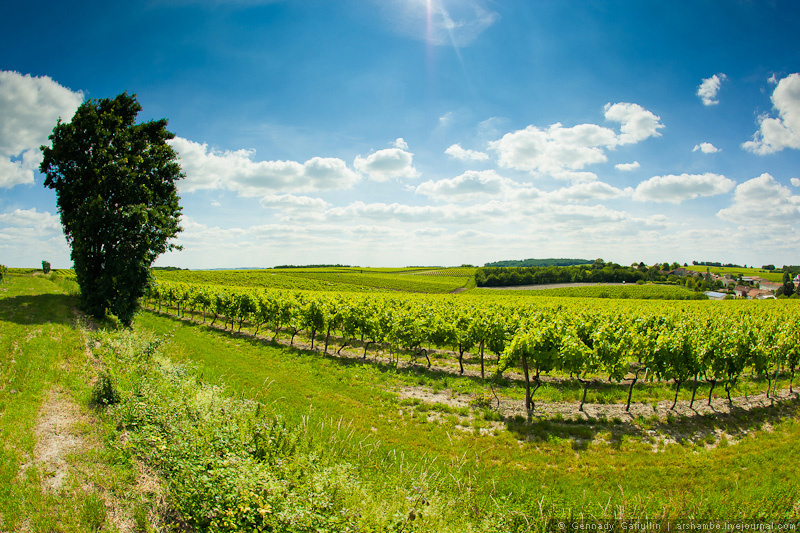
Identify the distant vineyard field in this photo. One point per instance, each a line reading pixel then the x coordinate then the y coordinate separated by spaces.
pixel 339 279
pixel 457 272
pixel 620 291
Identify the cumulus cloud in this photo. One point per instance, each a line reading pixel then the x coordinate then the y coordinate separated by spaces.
pixel 401 143
pixel 560 151
pixel 706 148
pixel 581 192
pixel 553 149
pixel 447 213
pixel 708 90
pixel 29 109
pixel 776 133
pixel 762 201
pixel 388 164
pixel 627 166
pixel 469 186
pixel 675 189
pixel 455 151
pixel 31 218
pixel 206 168
pixel 636 122
pixel 292 202
pixel 795 182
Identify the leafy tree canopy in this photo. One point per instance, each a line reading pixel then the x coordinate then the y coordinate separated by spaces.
pixel 117 198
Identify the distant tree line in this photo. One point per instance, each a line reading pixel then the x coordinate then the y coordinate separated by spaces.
pixel 717 264
pixel 313 266
pixel 596 272
pixel 539 263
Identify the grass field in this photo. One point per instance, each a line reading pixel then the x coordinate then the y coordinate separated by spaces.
pixel 776 277
pixel 601 290
pixel 56 471
pixel 371 446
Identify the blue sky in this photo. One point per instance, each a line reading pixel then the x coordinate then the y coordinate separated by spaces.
pixel 428 132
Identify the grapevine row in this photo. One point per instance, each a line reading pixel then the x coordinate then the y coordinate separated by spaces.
pixel 716 343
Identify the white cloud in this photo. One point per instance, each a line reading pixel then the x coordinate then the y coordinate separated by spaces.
pixel 627 166
pixel 31 218
pixel 206 168
pixel 469 186
pixel 29 110
pixel 762 201
pixel 553 149
pixel 560 151
pixel 775 134
pixel 455 151
pixel 580 192
pixel 636 122
pixel 400 143
pixel 675 189
pixel 442 214
pixel 292 202
pixel 706 148
pixel 795 182
pixel 384 165
pixel 708 90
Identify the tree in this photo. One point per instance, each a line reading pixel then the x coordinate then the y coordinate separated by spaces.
pixel 788 286
pixel 117 197
pixel 46 267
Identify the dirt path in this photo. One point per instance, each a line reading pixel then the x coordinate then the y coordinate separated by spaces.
pixel 56 438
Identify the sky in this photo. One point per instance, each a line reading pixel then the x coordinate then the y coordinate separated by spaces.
pixel 427 132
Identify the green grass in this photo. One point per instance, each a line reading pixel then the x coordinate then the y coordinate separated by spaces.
pixel 42 350
pixel 628 291
pixel 567 467
pixel 776 277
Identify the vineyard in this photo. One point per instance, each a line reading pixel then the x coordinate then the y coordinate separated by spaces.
pixel 331 409
pixel 592 341
pixel 327 279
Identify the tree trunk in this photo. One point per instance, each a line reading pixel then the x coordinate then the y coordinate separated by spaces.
pixel 460 358
pixel 528 400
pixel 426 357
pixel 586 384
pixel 713 384
pixel 630 392
pixel 677 390
pixel 482 376
pixel 728 387
pixel 366 345
pixel 327 336
pixel 345 343
pixel 694 391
